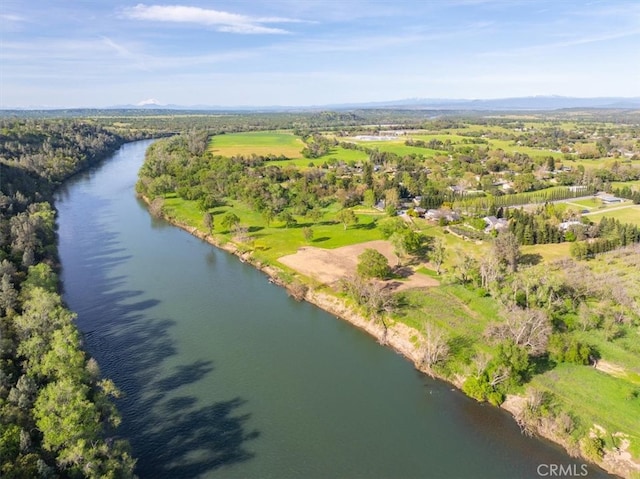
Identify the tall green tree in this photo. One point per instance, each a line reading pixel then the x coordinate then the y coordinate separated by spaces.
pixel 347 217
pixel 229 220
pixel 373 264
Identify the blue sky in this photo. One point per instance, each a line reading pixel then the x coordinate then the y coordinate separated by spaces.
pixel 81 53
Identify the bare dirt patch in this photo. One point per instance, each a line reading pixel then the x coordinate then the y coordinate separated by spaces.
pixel 329 266
pixel 610 368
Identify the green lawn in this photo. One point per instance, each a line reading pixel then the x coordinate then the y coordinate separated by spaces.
pixel 259 143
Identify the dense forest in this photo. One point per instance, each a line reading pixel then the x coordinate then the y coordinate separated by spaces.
pixel 57 417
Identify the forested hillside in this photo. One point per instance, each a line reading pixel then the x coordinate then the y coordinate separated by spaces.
pixel 56 414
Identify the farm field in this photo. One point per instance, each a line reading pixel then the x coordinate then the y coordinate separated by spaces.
pixel 509 147
pixel 261 143
pixel 396 146
pixel 336 153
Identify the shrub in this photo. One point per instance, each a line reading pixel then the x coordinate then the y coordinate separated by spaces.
pixel 592 448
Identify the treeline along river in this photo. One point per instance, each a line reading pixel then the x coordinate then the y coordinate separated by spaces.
pixel 225 376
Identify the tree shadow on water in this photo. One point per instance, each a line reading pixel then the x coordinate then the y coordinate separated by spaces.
pixel 194 441
pixel 172 434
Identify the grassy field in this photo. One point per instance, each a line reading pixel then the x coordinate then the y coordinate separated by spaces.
pixel 258 143
pixel 509 147
pixel 634 185
pixel 275 240
pixel 548 252
pixel 628 214
pixel 396 146
pixel 594 397
pixel 460 312
pixel 590 203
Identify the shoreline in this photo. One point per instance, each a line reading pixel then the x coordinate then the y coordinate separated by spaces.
pixel 398 337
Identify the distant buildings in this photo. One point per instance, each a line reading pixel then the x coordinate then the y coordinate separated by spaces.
pixel 608 199
pixel 494 223
pixel 437 215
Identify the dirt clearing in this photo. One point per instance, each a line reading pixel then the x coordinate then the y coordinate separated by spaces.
pixel 329 266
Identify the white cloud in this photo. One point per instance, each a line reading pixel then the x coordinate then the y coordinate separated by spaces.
pixel 12 18
pixel 222 21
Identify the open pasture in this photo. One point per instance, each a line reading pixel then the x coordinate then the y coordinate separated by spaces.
pixel 634 185
pixel 260 143
pixel 396 146
pixel 624 214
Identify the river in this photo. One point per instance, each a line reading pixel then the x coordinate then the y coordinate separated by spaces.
pixel 225 376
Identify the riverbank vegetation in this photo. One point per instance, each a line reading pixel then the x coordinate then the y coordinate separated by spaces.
pixel 57 417
pixel 537 273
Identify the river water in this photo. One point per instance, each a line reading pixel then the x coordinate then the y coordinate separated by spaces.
pixel 225 376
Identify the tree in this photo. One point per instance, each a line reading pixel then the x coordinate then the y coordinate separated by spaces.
pixel 369 198
pixel 64 414
pixel 268 214
pixel 347 217
pixel 315 214
pixel 389 226
pixel 287 218
pixel 374 297
pixel 8 294
pixel 438 253
pixel 229 220
pixel 373 264
pixel 527 328
pixel 207 221
pixel 399 246
pixel 490 269
pixel 40 276
pixel 466 267
pixel 435 348
pixel 307 232
pixel 413 241
pixel 392 201
pixel 579 250
pixel 156 206
pixel 507 249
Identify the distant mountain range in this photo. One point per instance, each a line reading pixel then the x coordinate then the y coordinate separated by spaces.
pixel 539 103
pixel 521 103
pixel 530 103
